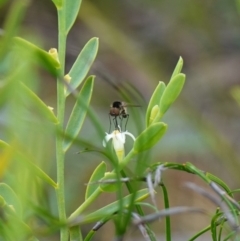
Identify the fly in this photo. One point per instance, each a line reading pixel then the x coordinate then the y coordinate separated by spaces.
pixel 118 110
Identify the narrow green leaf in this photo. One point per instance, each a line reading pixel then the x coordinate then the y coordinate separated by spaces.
pixel 6 155
pixel 149 137
pixel 214 226
pixel 96 176
pixel 171 92
pixel 17 155
pixel 197 171
pixel 83 63
pixel 11 198
pixel 109 187
pixel 155 115
pixel 178 67
pixel 114 207
pixel 155 100
pixel 7 88
pixel 58 3
pixel 38 103
pixel 235 92
pixel 90 235
pixel 71 8
pixel 12 23
pixel 238 5
pixel 38 171
pixel 43 58
pixel 79 112
pixel 220 182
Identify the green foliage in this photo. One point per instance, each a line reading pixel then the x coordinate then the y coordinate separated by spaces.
pixel 149 137
pixel 38 104
pixel 97 175
pixel 82 64
pixel 10 198
pixel 109 187
pixel 41 57
pixel 12 24
pixel 154 102
pixel 79 112
pixel 25 155
pixel 171 93
pixel 112 208
pixel 178 68
pixel 58 3
pixel 71 9
pixel 164 96
pixel 235 92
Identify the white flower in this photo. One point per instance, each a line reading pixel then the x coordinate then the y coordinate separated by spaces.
pixel 118 139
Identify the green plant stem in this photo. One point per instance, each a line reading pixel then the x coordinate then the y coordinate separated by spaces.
pixel 166 205
pixel 98 191
pixel 200 233
pixel 84 205
pixel 60 114
pixel 138 207
pixel 126 160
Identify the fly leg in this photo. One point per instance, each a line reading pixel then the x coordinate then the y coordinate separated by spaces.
pixel 110 123
pixel 115 122
pixel 127 116
pixel 121 120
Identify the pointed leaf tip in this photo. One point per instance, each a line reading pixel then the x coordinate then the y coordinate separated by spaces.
pixel 178 68
pixel 155 100
pixel 83 63
pixel 171 92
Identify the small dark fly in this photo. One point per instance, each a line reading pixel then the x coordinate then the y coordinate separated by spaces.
pixel 118 110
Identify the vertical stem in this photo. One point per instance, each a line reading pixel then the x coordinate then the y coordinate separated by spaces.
pixel 60 114
pixel 167 220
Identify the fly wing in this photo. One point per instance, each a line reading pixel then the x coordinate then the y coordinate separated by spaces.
pixel 124 104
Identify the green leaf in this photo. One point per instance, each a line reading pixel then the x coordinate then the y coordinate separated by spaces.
pixel 58 3
pixel 11 198
pixel 235 92
pixel 19 156
pixel 155 114
pixel 109 187
pixel 38 103
pixel 43 58
pixel 12 24
pixel 79 112
pixel 38 171
pixel 149 137
pixel 190 167
pixel 171 92
pixel 155 100
pixel 71 9
pixel 83 63
pixel 6 154
pixel 238 5
pixel 96 176
pixel 114 207
pixel 178 68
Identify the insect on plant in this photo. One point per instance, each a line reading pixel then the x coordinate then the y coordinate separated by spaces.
pixel 118 110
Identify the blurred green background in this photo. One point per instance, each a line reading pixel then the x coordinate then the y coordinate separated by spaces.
pixel 140 43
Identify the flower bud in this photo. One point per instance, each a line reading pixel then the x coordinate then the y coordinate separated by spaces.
pixel 54 53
